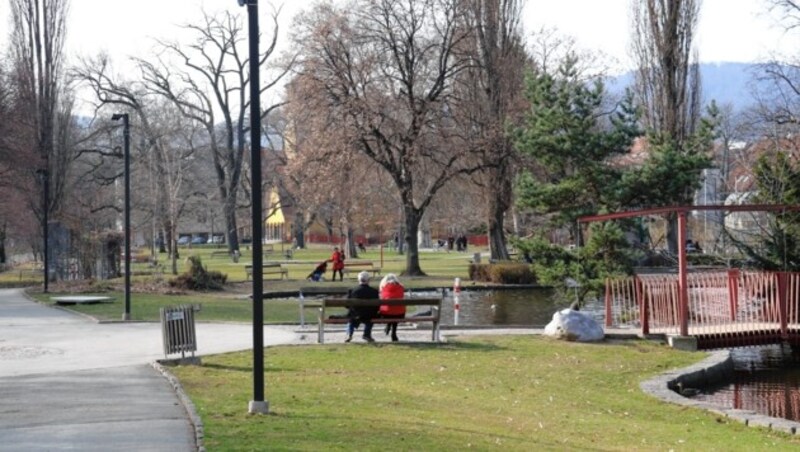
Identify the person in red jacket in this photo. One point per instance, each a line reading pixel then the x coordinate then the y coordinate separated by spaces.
pixel 390 288
pixel 337 258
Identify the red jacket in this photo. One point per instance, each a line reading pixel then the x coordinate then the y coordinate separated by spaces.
pixel 392 291
pixel 338 260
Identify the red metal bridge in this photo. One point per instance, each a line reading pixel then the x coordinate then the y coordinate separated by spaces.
pixel 720 309
pixel 724 309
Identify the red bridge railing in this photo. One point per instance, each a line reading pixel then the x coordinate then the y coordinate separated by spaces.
pixel 724 309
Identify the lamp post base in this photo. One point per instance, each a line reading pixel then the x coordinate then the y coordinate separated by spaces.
pixel 258 407
pixel 126 316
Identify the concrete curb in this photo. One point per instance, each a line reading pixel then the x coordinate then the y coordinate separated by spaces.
pixel 713 369
pixel 191 411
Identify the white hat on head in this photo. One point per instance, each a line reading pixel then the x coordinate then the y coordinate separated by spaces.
pixel 363 277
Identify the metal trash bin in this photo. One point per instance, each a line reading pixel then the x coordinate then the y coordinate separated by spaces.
pixel 177 329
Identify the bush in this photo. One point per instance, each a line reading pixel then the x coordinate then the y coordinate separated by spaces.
pixel 503 273
pixel 198 278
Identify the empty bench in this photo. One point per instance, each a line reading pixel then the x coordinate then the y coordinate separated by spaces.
pixel 268 269
pixel 359 266
pixel 327 303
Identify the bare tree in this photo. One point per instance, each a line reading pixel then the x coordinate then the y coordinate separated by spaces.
pixel 112 92
pixel 37 41
pixel 668 81
pixel 491 98
pixel 386 69
pixel 667 78
pixel 213 80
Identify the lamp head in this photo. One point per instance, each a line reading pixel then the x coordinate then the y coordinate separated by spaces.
pixel 117 116
pixel 242 2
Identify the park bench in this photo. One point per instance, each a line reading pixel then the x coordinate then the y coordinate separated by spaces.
pixel 220 253
pixel 269 268
pixel 359 266
pixel 327 303
pixel 288 253
pixel 31 273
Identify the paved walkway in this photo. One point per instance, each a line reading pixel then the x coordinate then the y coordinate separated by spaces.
pixel 69 383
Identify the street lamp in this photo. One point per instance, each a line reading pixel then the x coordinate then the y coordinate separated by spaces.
pixel 44 176
pixel 126 133
pixel 258 404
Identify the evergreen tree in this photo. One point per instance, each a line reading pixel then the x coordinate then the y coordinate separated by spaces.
pixel 569 142
pixel 778 181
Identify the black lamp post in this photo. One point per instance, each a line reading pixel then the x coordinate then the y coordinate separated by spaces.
pixel 258 404
pixel 127 136
pixel 44 175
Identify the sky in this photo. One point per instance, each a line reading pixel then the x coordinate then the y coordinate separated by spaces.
pixel 729 30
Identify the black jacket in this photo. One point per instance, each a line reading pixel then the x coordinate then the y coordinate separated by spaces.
pixel 364 292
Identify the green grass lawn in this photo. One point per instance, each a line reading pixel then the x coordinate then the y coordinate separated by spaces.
pixel 501 393
pixel 440 265
pixel 233 304
pixel 215 307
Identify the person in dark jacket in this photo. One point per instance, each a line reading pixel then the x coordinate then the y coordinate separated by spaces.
pixel 318 272
pixel 359 315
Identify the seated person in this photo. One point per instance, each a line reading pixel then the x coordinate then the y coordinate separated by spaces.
pixel 390 288
pixel 359 315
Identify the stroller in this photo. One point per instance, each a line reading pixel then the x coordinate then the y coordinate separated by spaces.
pixel 319 272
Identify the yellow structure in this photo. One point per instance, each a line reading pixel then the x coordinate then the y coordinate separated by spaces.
pixel 275 223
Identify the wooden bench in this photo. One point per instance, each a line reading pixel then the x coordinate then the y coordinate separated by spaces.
pixel 360 266
pixel 268 269
pixel 433 317
pixel 288 253
pixel 31 273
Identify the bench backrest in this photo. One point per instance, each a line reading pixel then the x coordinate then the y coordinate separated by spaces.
pixel 358 264
pixel 360 302
pixel 266 265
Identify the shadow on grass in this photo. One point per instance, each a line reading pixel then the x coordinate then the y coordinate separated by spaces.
pixel 445 347
pixel 228 367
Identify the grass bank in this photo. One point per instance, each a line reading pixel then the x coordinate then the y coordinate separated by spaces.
pixel 509 393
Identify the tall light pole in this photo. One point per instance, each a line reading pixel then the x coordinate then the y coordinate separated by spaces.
pixel 126 133
pixel 258 404
pixel 44 175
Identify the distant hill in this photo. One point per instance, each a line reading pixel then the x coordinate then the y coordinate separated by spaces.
pixel 727 83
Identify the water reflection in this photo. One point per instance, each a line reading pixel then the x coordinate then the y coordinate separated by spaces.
pixel 529 307
pixel 766 380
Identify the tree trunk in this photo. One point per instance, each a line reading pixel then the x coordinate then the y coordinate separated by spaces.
pixel 3 257
pixel 350 243
pixel 497 235
pixel 174 248
pixel 299 233
pixel 231 229
pixel 672 234
pixel 412 220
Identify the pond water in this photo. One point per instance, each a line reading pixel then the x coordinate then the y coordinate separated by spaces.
pixel 518 307
pixel 766 380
